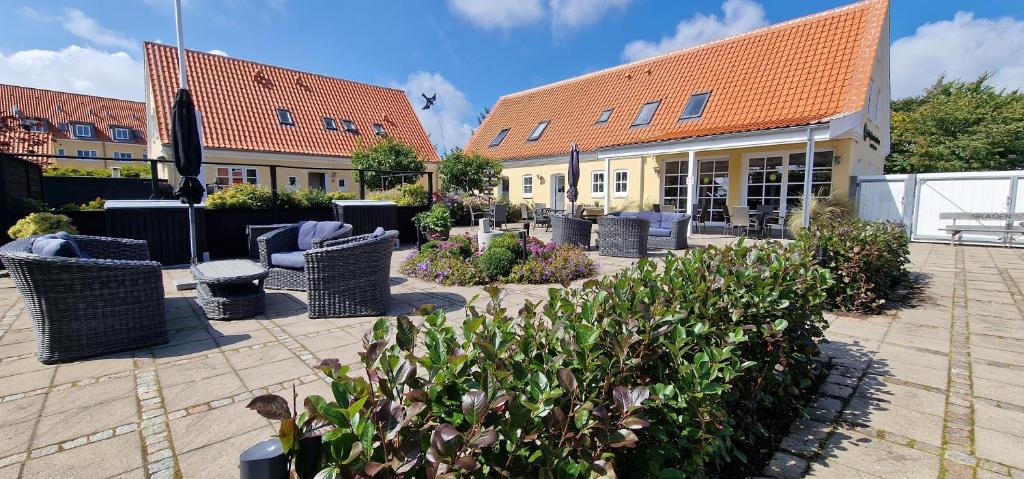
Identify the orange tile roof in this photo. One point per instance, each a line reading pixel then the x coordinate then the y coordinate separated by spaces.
pixel 799 72
pixel 59 108
pixel 238 100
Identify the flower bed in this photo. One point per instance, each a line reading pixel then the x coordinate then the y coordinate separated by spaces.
pixel 458 262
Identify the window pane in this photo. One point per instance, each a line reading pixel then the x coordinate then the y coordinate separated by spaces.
pixel 499 137
pixel 671 167
pixel 646 113
pixel 605 115
pixel 695 106
pixel 537 131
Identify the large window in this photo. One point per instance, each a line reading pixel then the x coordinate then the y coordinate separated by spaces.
pixel 597 183
pixel 122 134
pixel 86 154
pixel 778 180
pixel 621 183
pixel 83 130
pixel 764 182
pixel 821 177
pixel 528 186
pixel 646 113
pixel 676 183
pixel 235 175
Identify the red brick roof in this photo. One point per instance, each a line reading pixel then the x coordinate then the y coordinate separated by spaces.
pixel 799 72
pixel 238 100
pixel 59 108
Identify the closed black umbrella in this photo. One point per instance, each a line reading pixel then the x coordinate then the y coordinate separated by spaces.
pixel 574 177
pixel 186 144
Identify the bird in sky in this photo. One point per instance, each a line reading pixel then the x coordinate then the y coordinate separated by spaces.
pixel 430 100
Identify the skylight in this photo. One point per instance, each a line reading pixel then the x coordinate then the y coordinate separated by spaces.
pixel 497 138
pixel 539 130
pixel 695 106
pixel 646 113
pixel 379 129
pixel 284 116
pixel 605 116
pixel 330 123
pixel 349 126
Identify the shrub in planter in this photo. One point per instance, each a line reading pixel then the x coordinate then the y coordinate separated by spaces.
pixel 41 223
pixel 867 259
pixel 435 222
pixel 508 241
pixel 497 262
pixel 243 195
pixel 410 194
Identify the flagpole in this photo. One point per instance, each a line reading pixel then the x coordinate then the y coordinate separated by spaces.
pixel 183 82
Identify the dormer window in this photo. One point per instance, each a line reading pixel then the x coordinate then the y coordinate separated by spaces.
pixel 695 106
pixel 646 113
pixel 537 131
pixel 605 116
pixel 83 130
pixel 379 129
pixel 284 117
pixel 498 138
pixel 36 125
pixel 349 126
pixel 121 134
pixel 330 124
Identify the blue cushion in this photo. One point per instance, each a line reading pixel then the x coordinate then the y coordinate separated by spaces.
pixel 326 228
pixel 55 247
pixel 307 231
pixel 663 232
pixel 292 260
pixel 653 217
pixel 377 233
pixel 629 214
pixel 668 220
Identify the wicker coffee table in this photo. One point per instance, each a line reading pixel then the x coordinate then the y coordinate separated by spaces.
pixel 230 289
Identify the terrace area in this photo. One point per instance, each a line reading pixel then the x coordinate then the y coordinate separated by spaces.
pixel 928 389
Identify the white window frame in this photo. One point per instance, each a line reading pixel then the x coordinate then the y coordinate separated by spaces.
pixel 527 186
pixel 595 182
pixel 38 125
pixel 60 152
pixel 115 131
pixel 122 155
pixel 617 182
pixel 342 184
pixel 245 170
pixel 87 129
pixel 86 154
pixel 784 185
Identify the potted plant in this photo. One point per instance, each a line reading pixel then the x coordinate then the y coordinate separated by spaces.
pixel 434 223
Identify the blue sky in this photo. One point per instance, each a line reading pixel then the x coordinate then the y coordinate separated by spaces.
pixel 469 51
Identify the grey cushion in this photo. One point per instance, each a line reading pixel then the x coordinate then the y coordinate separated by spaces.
pixel 654 218
pixel 668 220
pixel 326 228
pixel 629 214
pixel 307 231
pixel 55 247
pixel 377 233
pixel 291 260
pixel 663 232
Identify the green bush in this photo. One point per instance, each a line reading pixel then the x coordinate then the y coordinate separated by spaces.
pixel 868 260
pixel 342 195
pixel 127 171
pixel 95 204
pixel 553 263
pixel 435 220
pixel 508 241
pixel 658 371
pixel 40 223
pixel 241 196
pixel 443 266
pixel 412 194
pixel 28 205
pixel 497 262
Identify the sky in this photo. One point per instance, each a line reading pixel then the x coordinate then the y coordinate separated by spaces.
pixel 469 52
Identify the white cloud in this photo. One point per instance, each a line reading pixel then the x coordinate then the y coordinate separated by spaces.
pixel 452 112
pixel 498 14
pixel 740 16
pixel 577 13
pixel 75 69
pixel 962 48
pixel 87 28
pixel 219 52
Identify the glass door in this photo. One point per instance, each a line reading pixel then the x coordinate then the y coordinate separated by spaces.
pixel 765 176
pixel 558 192
pixel 713 188
pixel 821 178
pixel 675 193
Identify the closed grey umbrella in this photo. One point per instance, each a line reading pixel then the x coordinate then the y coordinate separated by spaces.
pixel 574 177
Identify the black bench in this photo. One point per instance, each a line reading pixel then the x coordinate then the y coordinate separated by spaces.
pixel 975 224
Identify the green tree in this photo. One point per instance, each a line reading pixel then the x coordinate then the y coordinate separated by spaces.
pixel 464 171
pixel 388 154
pixel 958 126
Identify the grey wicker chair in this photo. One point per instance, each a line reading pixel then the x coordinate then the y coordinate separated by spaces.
pixel 286 239
pixel 677 233
pixel 566 230
pixel 351 276
pixel 89 307
pixel 623 237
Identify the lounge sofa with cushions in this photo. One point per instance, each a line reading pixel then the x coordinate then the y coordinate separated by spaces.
pixel 283 250
pixel 667 230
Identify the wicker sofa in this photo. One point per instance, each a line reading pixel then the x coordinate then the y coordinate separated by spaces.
pixel 109 300
pixel 622 236
pixel 285 241
pixel 351 276
pixel 567 230
pixel 667 230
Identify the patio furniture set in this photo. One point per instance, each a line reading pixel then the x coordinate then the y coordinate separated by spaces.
pixel 90 295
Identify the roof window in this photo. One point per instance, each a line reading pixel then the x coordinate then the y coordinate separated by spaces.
pixel 284 116
pixel 379 129
pixel 695 106
pixel 330 124
pixel 646 113
pixel 349 126
pixel 605 116
pixel 538 131
pixel 498 138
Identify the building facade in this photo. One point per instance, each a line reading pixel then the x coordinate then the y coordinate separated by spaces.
pixel 256 116
pixel 728 123
pixel 79 130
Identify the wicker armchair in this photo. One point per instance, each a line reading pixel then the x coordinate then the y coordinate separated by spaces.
pixel 676 239
pixel 351 276
pixel 566 230
pixel 623 237
pixel 89 307
pixel 284 240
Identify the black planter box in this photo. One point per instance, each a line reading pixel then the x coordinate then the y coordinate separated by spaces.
pixel 162 224
pixel 226 229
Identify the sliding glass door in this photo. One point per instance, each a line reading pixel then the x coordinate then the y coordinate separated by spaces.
pixel 713 188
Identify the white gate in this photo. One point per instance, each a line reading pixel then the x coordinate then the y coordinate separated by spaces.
pixel 919 201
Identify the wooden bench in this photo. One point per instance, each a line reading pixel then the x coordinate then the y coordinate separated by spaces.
pixel 975 224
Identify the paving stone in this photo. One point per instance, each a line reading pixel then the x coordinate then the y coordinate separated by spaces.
pixel 785 466
pixel 99 459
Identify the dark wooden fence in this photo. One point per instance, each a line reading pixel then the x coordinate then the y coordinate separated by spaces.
pixel 61 190
pixel 19 180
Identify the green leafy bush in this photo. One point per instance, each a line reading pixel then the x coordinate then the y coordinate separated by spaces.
pixel 127 171
pixel 658 371
pixel 444 266
pixel 241 196
pixel 385 155
pixel 508 241
pixel 412 194
pixel 553 263
pixel 435 220
pixel 497 262
pixel 868 260
pixel 40 223
pixel 28 205
pixel 95 204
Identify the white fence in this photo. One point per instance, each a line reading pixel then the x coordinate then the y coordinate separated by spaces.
pixel 918 201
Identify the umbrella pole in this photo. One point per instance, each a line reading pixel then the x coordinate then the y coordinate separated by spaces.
pixel 192 233
pixel 183 81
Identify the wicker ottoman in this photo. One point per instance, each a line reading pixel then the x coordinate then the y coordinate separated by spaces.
pixel 231 289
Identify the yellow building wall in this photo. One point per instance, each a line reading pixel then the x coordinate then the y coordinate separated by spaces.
pixel 104 149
